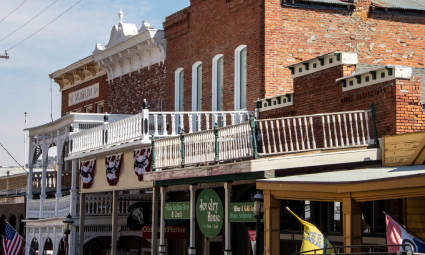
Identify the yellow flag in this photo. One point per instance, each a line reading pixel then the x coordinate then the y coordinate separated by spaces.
pixel 313 239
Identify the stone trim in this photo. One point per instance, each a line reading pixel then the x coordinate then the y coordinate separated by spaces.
pixel 375 76
pixel 271 103
pixel 323 62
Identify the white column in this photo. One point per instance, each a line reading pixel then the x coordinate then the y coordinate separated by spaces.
pixel 227 224
pixel 72 241
pixel 28 239
pixel 192 242
pixel 155 200
pixel 59 148
pixel 162 241
pixel 41 242
pixel 114 223
pixel 30 173
pixel 74 195
pixel 45 155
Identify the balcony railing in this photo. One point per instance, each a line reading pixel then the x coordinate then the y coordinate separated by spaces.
pixel 53 207
pixel 146 124
pixel 101 204
pixel 267 137
pixel 312 132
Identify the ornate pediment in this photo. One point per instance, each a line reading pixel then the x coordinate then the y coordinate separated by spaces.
pixel 130 49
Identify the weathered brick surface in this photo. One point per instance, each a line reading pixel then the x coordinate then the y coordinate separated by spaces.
pixel 208 28
pixel 126 93
pixel 294 34
pixel 103 95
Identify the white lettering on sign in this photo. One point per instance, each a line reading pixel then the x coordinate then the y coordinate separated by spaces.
pixel 83 95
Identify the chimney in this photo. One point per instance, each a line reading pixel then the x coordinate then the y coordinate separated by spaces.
pixel 362 9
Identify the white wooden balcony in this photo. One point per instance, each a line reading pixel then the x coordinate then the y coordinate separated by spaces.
pixel 145 125
pixel 267 137
pixel 49 208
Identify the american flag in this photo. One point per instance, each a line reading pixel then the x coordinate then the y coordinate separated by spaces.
pixel 12 241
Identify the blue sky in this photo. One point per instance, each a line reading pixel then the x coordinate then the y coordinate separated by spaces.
pixel 24 81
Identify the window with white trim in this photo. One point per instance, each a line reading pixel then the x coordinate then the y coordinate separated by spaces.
pixel 240 77
pixel 217 83
pixel 178 89
pixel 196 86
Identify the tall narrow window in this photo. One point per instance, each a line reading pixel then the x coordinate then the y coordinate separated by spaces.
pixel 240 77
pixel 217 83
pixel 178 89
pixel 196 86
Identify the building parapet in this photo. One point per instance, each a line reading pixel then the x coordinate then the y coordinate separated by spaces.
pixel 323 62
pixel 375 76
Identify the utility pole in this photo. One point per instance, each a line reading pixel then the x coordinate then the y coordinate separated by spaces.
pixel 5 56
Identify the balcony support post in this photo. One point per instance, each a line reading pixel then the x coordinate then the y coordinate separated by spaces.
pixel 155 200
pixel 145 122
pixel 114 222
pixel 162 241
pixel 45 157
pixel 74 178
pixel 30 173
pixel 192 242
pixel 227 223
pixel 271 225
pixel 81 227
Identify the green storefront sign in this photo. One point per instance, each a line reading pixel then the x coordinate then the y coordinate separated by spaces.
pixel 177 211
pixel 209 213
pixel 241 212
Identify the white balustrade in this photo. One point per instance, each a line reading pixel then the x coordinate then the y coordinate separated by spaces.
pixel 311 132
pixel 49 207
pixel 101 204
pixel 159 124
pixel 232 143
pixel 235 142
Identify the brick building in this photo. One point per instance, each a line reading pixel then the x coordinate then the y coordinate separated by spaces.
pixel 213 45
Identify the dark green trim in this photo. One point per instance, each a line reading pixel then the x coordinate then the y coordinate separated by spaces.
pixel 216 158
pixel 211 179
pixel 254 136
pixel 153 152
pixel 182 147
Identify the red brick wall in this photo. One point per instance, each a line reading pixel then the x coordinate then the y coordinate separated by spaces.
pixel 296 34
pixel 397 102
pixel 409 116
pixel 127 92
pixel 103 95
pixel 208 28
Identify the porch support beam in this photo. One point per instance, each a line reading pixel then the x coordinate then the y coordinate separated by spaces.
pixel 352 223
pixel 271 224
pixel 114 223
pixel 162 241
pixel 81 227
pixel 155 204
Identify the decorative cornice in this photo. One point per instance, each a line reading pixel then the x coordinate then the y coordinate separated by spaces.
pixel 375 76
pixel 77 73
pixel 129 50
pixel 271 103
pixel 323 62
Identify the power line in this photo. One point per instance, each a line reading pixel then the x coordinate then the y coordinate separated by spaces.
pixel 13 11
pixel 46 25
pixel 12 157
pixel 29 21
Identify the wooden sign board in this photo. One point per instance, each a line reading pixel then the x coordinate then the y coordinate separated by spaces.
pixel 402 150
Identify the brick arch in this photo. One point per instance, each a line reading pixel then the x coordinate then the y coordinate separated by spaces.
pixel 13 220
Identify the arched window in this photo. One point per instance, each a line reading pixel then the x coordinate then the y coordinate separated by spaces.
pixel 197 86
pixel 240 77
pixel 178 89
pixel 217 83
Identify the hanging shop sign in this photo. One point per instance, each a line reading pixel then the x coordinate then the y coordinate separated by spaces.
pixel 209 213
pixel 112 167
pixel 83 95
pixel 177 211
pixel 241 212
pixel 87 172
pixel 139 215
pixel 142 162
pixel 171 232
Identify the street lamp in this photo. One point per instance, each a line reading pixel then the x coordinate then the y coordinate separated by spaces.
pixel 67 225
pixel 258 213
